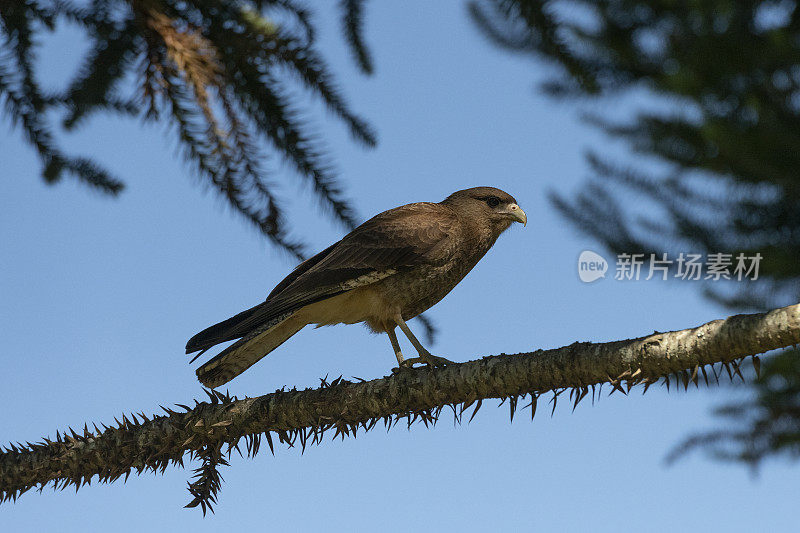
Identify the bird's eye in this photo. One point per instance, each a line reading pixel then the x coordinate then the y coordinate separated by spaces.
pixel 493 201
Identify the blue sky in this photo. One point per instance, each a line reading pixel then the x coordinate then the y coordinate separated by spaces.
pixel 100 295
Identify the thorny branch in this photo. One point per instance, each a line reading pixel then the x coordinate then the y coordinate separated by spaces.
pixel 212 430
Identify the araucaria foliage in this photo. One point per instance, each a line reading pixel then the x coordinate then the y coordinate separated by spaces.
pixel 217 71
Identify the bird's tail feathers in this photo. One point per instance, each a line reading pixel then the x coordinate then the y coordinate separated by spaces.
pixel 247 351
pixel 227 330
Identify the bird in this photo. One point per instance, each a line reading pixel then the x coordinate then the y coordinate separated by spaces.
pixel 385 272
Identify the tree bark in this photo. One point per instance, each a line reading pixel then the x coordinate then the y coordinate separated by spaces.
pixel 140 443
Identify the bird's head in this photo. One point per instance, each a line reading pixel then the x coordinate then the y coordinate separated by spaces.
pixel 496 207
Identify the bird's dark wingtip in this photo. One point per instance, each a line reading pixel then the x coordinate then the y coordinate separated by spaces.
pixel 191 346
pixel 201 352
pixel 196 342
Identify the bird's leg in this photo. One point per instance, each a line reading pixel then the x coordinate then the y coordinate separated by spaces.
pixel 424 355
pixel 395 346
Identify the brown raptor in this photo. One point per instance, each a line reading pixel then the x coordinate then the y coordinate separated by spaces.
pixel 388 270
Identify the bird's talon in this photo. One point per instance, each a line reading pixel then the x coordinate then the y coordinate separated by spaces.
pixel 434 361
pixel 431 361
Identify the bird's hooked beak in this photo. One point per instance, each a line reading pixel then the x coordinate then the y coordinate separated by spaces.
pixel 517 214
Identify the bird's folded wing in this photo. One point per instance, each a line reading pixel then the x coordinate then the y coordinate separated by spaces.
pixel 393 241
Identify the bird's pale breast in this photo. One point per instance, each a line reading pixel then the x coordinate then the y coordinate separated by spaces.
pixel 415 290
